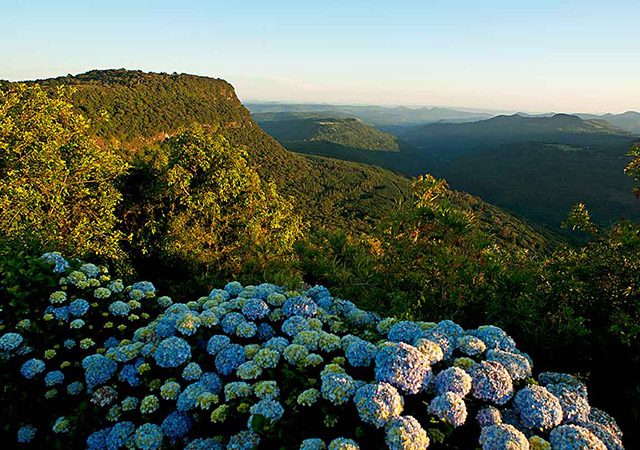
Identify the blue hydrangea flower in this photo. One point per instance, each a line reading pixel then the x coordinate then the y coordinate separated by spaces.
pixel 406 433
pixel 121 435
pixel 98 370
pixel 75 388
pixel 300 306
pixel 78 307
pixel 119 308
pixel 98 439
pixel 573 437
pixel 405 331
pixel 270 409
pixel 495 338
pixel 294 325
pixel 216 343
pixel 538 408
pixel 491 382
pixel 450 408
pixel 343 444
pixel 470 345
pixel 148 437
pixel 176 425
pixel 377 403
pixel 10 341
pixel 32 367
pixel 488 415
pixel 255 309
pixel 60 264
pixel 402 366
pixel 517 365
pixel 231 321
pixel 192 371
pixel 244 440
pixel 172 352
pixel 360 353
pixel 203 444
pixel 229 358
pixel 144 286
pixel 54 377
pixel 188 397
pixel 503 436
pixel 26 434
pixel 337 387
pixel 453 380
pixel 233 288
pixel 573 400
pixel 313 444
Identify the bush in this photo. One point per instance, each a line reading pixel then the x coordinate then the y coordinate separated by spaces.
pixel 259 366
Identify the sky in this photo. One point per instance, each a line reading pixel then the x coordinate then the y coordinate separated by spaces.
pixel 516 55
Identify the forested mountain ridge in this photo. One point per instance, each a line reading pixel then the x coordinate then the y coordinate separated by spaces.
pixel 133 108
pixel 292 129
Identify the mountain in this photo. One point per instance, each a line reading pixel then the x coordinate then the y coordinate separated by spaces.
pixel 131 108
pixel 629 121
pixel 534 166
pixel 379 116
pixel 300 129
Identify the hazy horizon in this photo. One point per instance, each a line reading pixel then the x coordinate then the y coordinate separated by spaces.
pixel 570 56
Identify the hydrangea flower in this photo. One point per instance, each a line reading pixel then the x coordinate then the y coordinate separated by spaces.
pixel 121 435
pixel 538 408
pixel 255 309
pixel 337 387
pixel 229 359
pixel 60 265
pixel 10 341
pixel 54 377
pixel 26 434
pixel 360 353
pixel 488 415
pixel 575 406
pixel 501 437
pixel 453 380
pixel 402 366
pixel 313 444
pixel 119 308
pixel 573 437
pixel 148 437
pixel 343 444
pixel 300 307
pixel 172 352
pixel 406 433
pixel 470 345
pixel 98 370
pixel 176 425
pixel 450 408
pixel 32 367
pixel 308 397
pixel 517 365
pixel 378 403
pixel 491 382
pixel 78 307
pixel 268 408
pixel 405 331
pixel 192 371
pixel 244 440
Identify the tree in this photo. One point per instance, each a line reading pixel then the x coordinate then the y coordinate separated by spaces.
pixel 197 200
pixel 633 168
pixel 56 184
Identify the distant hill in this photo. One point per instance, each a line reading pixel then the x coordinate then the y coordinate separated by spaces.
pixel 299 129
pixel 379 116
pixel 129 108
pixel 534 166
pixel 629 121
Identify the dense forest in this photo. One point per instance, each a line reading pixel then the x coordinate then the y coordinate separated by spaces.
pixel 167 177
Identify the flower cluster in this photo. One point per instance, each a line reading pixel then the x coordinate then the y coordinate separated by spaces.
pixel 246 365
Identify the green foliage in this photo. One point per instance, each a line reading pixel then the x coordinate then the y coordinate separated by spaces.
pixel 293 130
pixel 56 184
pixel 195 199
pixel 633 168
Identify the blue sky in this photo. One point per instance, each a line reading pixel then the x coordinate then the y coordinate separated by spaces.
pixel 510 55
